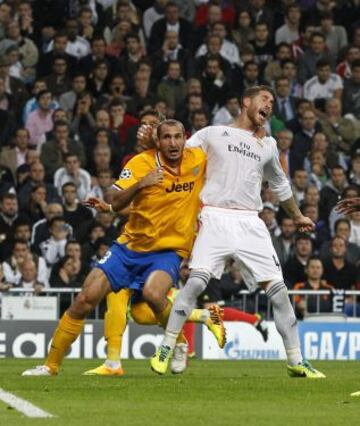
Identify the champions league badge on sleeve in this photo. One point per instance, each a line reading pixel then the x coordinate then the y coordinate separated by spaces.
pixel 125 174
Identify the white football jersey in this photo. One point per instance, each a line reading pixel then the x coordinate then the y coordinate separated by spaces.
pixel 237 163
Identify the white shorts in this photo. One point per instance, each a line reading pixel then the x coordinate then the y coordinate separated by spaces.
pixel 238 234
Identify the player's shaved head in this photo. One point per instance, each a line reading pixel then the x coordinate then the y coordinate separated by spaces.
pixel 170 123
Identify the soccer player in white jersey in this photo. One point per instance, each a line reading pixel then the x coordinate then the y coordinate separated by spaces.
pixel 237 163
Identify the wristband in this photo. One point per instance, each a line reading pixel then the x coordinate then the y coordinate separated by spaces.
pixel 111 208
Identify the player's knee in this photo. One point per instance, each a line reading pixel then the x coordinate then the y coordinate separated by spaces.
pixel 84 304
pixel 154 296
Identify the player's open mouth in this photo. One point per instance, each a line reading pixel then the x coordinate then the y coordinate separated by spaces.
pixel 173 152
pixel 264 113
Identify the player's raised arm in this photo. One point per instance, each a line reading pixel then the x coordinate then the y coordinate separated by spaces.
pixel 280 185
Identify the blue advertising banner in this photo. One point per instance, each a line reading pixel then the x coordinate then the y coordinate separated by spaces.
pixel 330 341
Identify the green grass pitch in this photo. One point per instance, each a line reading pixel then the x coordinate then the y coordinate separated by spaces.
pixel 209 393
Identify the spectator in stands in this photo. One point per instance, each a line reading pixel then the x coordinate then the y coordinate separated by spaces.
pixel 214 83
pixel 285 105
pixel 99 81
pixel 173 22
pixel 243 33
pixel 304 136
pixel 58 80
pixel 228 49
pixel 335 35
pixel 36 205
pixel 74 212
pixel 321 232
pixel 290 161
pixel 229 112
pixel 131 57
pixel 53 151
pixel 324 85
pixel 340 131
pixel 14 157
pixel 40 230
pixel 284 243
pixel 313 304
pixel 338 271
pixel 268 215
pixel 46 60
pixel 39 122
pixel 53 249
pixel 98 53
pixel 153 14
pixel 290 31
pixel 273 69
pixel 351 93
pixel 262 44
pixel 342 230
pixel 294 270
pixel 289 70
pixel 198 120
pixel 89 248
pixel 331 192
pixel 317 51
pixel 350 191
pixel 20 253
pixel 299 184
pixel 251 77
pixel 212 49
pixel 354 172
pixel 68 99
pixel 9 215
pixel 172 50
pixel 72 172
pixel 29 277
pixel 172 88
pixel 352 53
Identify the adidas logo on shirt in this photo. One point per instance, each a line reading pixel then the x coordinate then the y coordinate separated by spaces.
pixel 225 133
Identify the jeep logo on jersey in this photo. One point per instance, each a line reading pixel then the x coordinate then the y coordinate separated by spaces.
pixel 178 187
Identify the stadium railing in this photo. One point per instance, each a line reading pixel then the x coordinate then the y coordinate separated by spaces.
pixel 252 302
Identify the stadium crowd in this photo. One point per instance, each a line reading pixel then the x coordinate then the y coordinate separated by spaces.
pixel 77 77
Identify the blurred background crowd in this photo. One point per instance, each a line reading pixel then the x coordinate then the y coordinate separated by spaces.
pixel 78 76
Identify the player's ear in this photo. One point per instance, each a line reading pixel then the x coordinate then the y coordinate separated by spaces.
pixel 157 142
pixel 246 101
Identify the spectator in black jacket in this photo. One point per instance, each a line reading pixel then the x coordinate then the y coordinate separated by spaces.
pixel 331 192
pixel 294 270
pixel 171 21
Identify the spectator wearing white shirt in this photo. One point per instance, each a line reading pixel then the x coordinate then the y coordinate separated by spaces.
pixel 53 249
pixel 29 277
pixel 72 172
pixel 228 51
pixel 229 112
pixel 324 85
pixel 355 228
pixel 77 46
pixel 153 14
pixel 289 32
pixel 20 254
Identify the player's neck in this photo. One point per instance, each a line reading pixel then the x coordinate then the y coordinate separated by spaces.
pixel 174 166
pixel 243 122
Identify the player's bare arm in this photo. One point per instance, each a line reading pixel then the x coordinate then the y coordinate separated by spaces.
pixel 303 223
pixel 348 206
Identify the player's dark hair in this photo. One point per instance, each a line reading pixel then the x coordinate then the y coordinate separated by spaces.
pixel 251 92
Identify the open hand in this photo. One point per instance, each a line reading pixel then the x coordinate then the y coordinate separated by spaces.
pixel 348 205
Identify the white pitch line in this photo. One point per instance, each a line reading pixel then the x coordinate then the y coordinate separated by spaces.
pixel 22 405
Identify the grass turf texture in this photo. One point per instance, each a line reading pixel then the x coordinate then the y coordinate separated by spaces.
pixel 209 393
